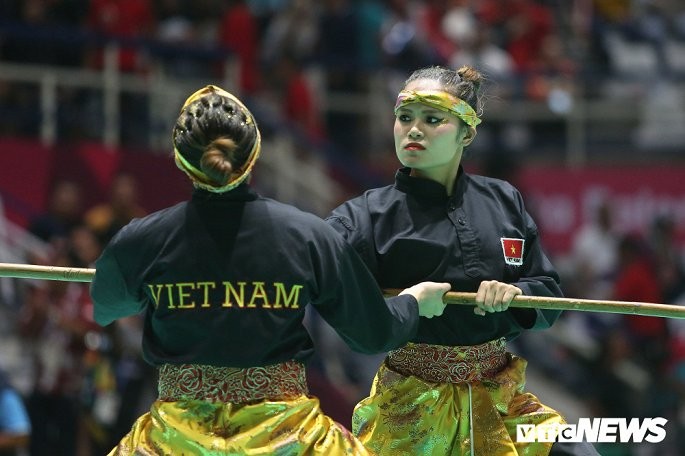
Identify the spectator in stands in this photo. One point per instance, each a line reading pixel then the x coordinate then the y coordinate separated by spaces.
pixel 481 51
pixel 299 105
pixel 43 39
pixel 54 320
pixel 551 74
pixel 107 218
pixel 528 23
pixel 594 254
pixel 618 384
pixel 239 33
pixel 124 23
pixel 652 346
pixel 371 15
pixel 337 51
pixel 134 385
pixel 292 31
pixel 668 258
pixel 442 22
pixel 124 20
pixel 64 212
pixel 176 29
pixel 653 26
pixel 15 427
pixel 404 39
pixel 674 373
pixel 636 280
pixel 84 247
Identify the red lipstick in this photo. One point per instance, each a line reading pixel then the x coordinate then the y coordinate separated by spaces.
pixel 414 146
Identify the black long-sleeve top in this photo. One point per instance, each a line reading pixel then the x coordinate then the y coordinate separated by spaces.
pixel 413 231
pixel 224 279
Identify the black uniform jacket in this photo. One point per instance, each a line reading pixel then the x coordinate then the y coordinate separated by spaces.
pixel 224 280
pixel 412 231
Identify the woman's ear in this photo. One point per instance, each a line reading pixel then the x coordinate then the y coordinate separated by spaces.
pixel 468 136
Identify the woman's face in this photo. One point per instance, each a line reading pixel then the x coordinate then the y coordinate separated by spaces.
pixel 428 140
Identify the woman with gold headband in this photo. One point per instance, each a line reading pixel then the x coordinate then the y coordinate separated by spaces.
pixel 454 389
pixel 223 280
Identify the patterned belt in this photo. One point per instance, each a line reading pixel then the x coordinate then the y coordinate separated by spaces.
pixel 229 384
pixel 446 364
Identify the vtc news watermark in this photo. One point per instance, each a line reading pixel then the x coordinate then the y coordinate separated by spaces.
pixel 596 430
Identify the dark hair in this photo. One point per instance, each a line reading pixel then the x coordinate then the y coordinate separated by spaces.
pixel 464 83
pixel 214 135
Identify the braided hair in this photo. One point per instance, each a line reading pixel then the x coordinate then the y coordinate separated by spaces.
pixel 216 135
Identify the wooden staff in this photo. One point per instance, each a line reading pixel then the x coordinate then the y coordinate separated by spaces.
pixel 586 305
pixel 29 271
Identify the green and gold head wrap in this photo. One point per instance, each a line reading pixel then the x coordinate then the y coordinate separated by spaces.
pixel 199 178
pixel 441 100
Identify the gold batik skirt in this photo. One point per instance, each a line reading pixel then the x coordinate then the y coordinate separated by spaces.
pixel 217 411
pixel 457 401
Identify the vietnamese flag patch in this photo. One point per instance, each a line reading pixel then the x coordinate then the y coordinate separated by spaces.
pixel 513 251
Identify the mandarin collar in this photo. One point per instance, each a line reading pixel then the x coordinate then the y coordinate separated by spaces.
pixel 243 192
pixel 427 188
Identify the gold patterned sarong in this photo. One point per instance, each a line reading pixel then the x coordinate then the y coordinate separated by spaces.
pixel 457 401
pixel 218 411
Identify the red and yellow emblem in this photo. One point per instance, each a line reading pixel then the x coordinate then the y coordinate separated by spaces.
pixel 513 251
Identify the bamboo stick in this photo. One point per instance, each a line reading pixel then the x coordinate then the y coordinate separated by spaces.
pixel 32 271
pixel 29 271
pixel 586 305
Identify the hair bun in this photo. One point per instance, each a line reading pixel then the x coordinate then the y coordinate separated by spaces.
pixel 469 74
pixel 216 160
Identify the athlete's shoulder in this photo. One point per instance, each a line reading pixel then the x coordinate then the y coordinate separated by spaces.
pixel 293 222
pixel 488 184
pixel 479 179
pixel 371 197
pixel 155 225
pixel 288 211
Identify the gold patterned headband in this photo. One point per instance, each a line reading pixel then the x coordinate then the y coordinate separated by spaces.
pixel 443 101
pixel 197 176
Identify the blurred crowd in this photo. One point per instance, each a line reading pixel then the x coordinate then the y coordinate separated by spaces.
pixel 293 53
pixel 82 385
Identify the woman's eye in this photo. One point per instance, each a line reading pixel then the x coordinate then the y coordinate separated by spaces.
pixel 403 118
pixel 433 120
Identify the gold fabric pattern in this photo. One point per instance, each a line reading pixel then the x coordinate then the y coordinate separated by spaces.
pixel 272 415
pixel 229 384
pixel 410 414
pixel 198 428
pixel 440 100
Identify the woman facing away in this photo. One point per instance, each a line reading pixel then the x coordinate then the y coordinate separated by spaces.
pixel 454 389
pixel 223 280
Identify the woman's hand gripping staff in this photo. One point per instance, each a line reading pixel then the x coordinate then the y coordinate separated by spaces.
pixel 493 296
pixel 430 297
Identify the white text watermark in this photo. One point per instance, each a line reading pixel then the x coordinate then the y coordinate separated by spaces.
pixel 596 430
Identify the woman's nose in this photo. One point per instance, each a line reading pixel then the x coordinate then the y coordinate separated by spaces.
pixel 415 133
